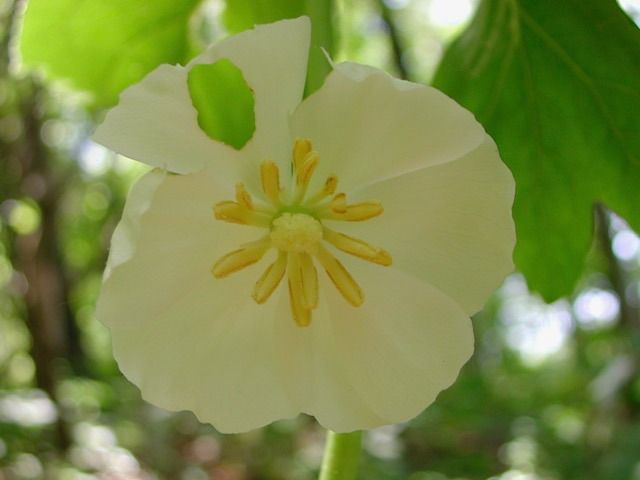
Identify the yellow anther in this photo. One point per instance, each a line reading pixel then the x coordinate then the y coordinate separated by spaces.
pixel 341 278
pixel 301 313
pixel 270 279
pixel 357 247
pixel 243 197
pixel 309 276
pixel 357 212
pixel 270 179
pixel 233 212
pixel 241 258
pixel 330 185
pixel 328 189
pixel 301 147
pixel 338 203
pixel 304 172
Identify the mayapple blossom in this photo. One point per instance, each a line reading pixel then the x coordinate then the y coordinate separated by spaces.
pixel 329 266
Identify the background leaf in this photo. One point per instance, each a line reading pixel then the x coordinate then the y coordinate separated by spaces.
pixel 242 14
pixel 557 84
pixel 103 46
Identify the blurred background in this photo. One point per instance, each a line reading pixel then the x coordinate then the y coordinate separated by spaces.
pixel 552 392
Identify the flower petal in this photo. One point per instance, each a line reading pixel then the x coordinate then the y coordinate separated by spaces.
pixel 155 123
pixel 381 363
pixel 449 224
pixel 273 59
pixel 368 126
pixel 188 340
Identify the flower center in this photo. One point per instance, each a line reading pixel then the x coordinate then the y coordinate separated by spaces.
pixel 296 232
pixel 299 238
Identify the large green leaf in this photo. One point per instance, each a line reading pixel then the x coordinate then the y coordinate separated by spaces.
pixel 557 84
pixel 244 14
pixel 102 46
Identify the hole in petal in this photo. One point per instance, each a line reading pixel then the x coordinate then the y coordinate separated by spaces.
pixel 224 101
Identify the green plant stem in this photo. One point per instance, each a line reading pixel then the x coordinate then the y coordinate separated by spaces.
pixel 341 456
pixel 322 13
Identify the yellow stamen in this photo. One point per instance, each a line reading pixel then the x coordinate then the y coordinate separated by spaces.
pixel 270 279
pixel 338 203
pixel 305 171
pixel 270 179
pixel 238 259
pixel 341 278
pixel 296 229
pixel 234 212
pixel 330 185
pixel 309 281
pixel 357 247
pixel 301 314
pixel 356 212
pixel 328 189
pixel 243 197
pixel 301 147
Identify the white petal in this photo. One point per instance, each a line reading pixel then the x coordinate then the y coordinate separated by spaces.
pixel 123 241
pixel 273 60
pixel 450 224
pixel 188 340
pixel 368 126
pixel 156 123
pixel 381 363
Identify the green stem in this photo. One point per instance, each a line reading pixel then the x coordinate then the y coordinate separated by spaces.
pixel 341 456
pixel 322 13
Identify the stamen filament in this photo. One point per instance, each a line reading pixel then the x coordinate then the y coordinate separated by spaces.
pixel 357 247
pixel 270 279
pixel 340 277
pixel 243 257
pixel 301 313
pixel 234 212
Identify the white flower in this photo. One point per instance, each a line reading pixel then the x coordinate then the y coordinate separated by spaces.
pixel 375 344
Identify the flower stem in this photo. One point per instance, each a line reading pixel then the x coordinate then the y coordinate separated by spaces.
pixel 341 456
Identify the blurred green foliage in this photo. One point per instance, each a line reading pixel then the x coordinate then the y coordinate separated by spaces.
pixel 553 391
pixel 102 47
